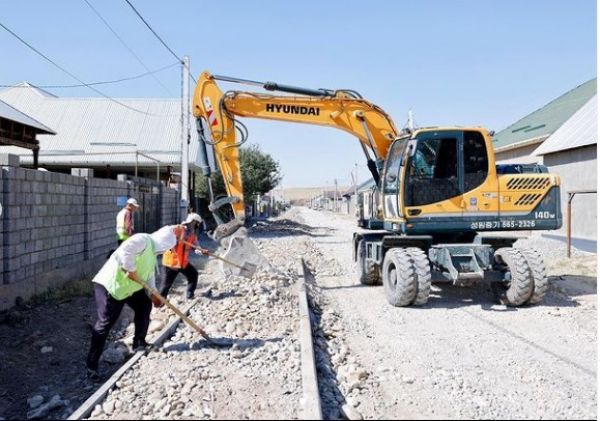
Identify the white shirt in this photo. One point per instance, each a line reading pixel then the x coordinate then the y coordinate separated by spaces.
pixel 127 252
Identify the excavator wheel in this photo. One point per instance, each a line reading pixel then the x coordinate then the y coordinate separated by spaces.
pixel 423 271
pixel 520 288
pixel 368 272
pixel 400 278
pixel 537 267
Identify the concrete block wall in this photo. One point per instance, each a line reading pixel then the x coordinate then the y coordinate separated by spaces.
pixel 46 222
pixel 169 207
pixel 57 228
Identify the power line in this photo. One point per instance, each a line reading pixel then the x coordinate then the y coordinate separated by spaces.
pixel 71 74
pixel 152 30
pixel 126 46
pixel 156 35
pixel 108 82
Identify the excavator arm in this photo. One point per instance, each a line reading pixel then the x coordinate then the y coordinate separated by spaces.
pixel 216 114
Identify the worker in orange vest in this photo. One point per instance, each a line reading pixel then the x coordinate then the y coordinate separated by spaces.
pixel 177 261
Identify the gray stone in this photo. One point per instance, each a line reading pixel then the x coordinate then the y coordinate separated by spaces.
pixel 35 401
pixel 47 350
pixel 408 380
pixel 43 410
pixel 97 411
pixel 350 413
pixel 114 355
pixel 108 407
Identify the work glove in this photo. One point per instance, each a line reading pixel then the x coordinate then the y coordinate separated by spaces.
pixel 202 252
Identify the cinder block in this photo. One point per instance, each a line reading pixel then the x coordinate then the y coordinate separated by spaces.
pixel 9 160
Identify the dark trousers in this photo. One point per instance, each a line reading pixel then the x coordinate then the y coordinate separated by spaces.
pixel 109 310
pixel 190 272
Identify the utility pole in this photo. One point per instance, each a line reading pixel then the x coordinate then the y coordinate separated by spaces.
pixel 335 196
pixel 185 137
pixel 356 180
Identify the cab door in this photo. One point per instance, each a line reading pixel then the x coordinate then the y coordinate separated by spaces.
pixel 479 182
pixel 391 182
pixel 433 177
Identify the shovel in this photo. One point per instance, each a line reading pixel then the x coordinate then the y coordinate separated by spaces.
pixel 175 310
pixel 247 270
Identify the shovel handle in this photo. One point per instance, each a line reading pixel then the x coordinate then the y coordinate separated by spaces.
pixel 172 307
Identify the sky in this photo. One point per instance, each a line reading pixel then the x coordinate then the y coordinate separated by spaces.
pixel 459 62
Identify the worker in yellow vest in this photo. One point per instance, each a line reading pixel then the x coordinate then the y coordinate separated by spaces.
pixel 125 228
pixel 177 260
pixel 114 287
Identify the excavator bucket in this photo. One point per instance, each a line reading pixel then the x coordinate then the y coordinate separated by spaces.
pixel 243 253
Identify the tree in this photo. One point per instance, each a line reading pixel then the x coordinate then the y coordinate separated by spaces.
pixel 260 174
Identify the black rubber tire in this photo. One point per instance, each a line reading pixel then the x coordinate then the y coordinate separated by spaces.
pixel 423 271
pixel 541 284
pixel 399 277
pixel 368 272
pixel 520 288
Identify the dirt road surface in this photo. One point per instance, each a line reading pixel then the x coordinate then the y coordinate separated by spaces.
pixel 462 355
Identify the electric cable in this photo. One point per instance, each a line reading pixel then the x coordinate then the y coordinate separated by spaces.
pixel 58 66
pixel 157 36
pixel 107 82
pixel 126 45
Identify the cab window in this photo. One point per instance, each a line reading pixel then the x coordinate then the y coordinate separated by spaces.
pixel 432 173
pixel 475 159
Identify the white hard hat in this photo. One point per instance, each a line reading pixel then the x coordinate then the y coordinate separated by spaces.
pixel 133 202
pixel 193 217
pixel 164 239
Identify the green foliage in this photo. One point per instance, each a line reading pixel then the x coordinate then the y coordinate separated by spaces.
pixel 260 174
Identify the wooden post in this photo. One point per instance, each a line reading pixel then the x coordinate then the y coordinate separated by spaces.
pixel 36 154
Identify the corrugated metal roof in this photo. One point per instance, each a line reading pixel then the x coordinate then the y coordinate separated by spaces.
pixel 545 121
pixel 11 113
pixel 82 121
pixel 580 130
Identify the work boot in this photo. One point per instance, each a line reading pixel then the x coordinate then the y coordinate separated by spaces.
pixel 140 344
pixel 93 357
pixel 190 295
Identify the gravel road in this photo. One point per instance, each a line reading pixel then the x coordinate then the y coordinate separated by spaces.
pixel 461 355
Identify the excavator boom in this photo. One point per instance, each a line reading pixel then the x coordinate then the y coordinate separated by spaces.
pixel 341 109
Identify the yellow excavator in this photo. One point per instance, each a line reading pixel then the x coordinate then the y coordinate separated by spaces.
pixel 437 192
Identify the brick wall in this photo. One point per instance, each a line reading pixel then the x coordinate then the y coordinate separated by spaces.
pixel 56 227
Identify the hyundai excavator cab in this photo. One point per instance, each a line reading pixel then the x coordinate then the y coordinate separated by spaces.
pixel 438 192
